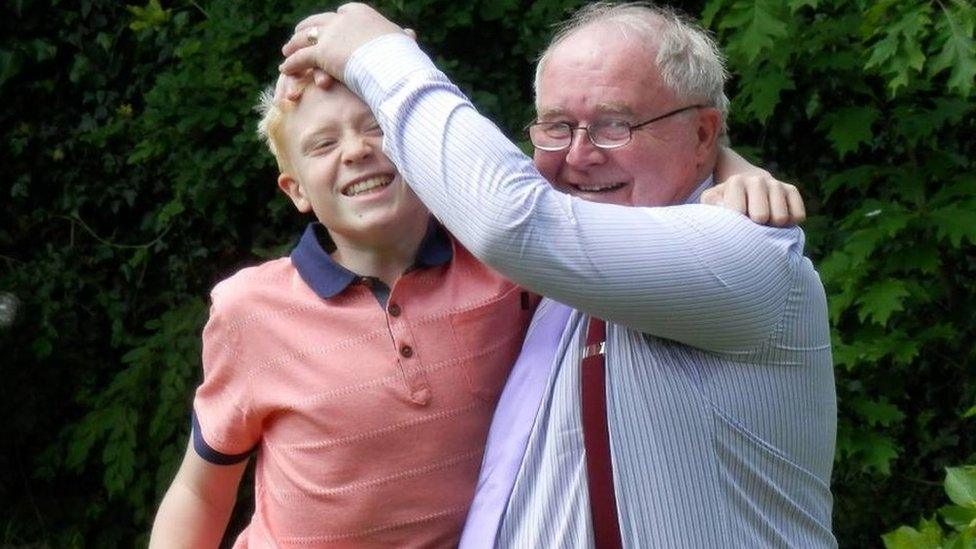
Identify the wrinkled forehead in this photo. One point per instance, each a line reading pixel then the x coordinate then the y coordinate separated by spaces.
pixel 323 109
pixel 596 70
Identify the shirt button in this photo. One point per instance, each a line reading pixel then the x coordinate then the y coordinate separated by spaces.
pixel 406 351
pixel 394 309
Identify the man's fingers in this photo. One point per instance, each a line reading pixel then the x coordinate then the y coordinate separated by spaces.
pixel 348 6
pixel 758 199
pixel 281 88
pixel 795 200
pixel 302 38
pixel 297 63
pixel 322 79
pixel 304 33
pixel 316 20
pixel 291 87
pixel 295 86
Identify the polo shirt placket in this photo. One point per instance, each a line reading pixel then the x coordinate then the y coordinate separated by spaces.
pixel 404 342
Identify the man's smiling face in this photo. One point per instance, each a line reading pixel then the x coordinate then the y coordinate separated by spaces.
pixel 601 73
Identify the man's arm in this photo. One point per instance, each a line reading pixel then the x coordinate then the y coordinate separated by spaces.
pixel 699 275
pixel 195 510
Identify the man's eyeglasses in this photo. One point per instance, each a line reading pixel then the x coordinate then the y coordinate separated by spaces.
pixel 605 134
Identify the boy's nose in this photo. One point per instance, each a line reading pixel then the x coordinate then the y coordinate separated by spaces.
pixel 356 149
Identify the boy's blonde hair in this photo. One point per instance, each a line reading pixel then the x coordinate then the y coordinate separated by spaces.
pixel 271 126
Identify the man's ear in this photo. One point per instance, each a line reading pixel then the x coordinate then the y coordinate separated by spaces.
pixel 709 129
pixel 291 187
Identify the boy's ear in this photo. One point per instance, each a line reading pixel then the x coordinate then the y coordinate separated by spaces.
pixel 295 192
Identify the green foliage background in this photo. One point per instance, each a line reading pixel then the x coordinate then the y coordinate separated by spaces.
pixel 133 182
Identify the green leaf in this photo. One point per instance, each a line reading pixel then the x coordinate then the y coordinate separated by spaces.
pixel 797 5
pixel 878 412
pixel 857 178
pixel 709 12
pixel 172 209
pixel 958 517
pixel 907 537
pixel 960 485
pixel 759 26
pixel 956 222
pixel 958 53
pixel 965 539
pixel 875 451
pixel 849 127
pixel 149 17
pixel 761 91
pixel 915 125
pixel 898 55
pixel 882 299
pixel 10 64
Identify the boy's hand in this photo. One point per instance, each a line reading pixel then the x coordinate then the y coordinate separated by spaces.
pixel 326 41
pixel 762 197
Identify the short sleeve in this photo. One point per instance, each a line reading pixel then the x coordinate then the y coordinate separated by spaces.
pixel 224 429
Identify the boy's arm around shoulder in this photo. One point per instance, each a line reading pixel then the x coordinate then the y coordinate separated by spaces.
pixel 196 508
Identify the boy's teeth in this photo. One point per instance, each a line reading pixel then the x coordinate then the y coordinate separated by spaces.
pixel 367 185
pixel 596 188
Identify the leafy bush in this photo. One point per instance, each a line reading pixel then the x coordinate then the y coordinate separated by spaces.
pixel 870 106
pixel 960 486
pixel 135 182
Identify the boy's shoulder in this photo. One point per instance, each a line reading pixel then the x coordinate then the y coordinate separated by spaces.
pixel 251 285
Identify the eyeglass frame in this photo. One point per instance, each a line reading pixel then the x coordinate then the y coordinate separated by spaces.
pixel 630 127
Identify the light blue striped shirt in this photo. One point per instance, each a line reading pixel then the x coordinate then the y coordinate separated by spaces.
pixel 721 402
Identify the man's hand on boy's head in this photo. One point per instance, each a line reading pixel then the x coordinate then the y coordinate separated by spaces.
pixel 291 87
pixel 327 40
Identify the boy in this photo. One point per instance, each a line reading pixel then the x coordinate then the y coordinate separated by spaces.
pixel 366 374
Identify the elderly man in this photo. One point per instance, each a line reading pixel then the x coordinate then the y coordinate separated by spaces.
pixel 702 413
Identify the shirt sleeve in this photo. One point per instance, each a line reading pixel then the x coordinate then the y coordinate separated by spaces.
pixel 223 430
pixel 697 274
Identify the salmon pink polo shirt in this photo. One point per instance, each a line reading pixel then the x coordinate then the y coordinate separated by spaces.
pixel 368 407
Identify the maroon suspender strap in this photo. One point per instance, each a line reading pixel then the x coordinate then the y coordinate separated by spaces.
pixel 596 439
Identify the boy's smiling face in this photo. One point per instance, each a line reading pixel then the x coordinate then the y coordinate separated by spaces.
pixel 337 169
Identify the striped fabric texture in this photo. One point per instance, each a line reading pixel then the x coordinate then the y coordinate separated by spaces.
pixel 721 400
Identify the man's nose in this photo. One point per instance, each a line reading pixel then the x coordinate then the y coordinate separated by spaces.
pixel 582 152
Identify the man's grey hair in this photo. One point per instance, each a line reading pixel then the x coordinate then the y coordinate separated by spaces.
pixel 688 59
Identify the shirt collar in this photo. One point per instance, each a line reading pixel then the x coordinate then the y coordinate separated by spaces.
pixel 327 278
pixel 695 196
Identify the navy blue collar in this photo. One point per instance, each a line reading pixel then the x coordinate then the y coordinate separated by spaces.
pixel 327 278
